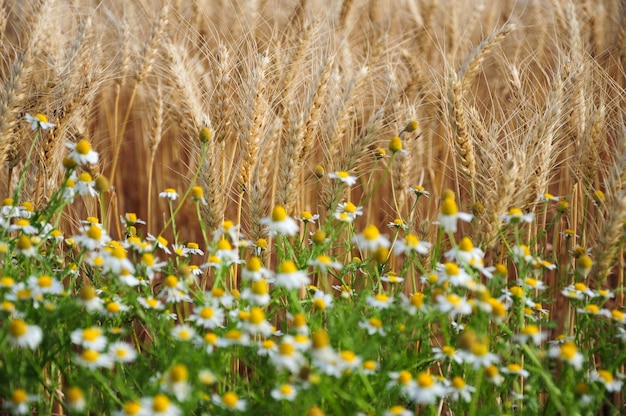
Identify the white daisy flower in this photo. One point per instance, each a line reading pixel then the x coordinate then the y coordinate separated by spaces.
pixel 169 193
pixel 449 215
pixel 289 277
pixel 230 401
pixel 344 177
pixel 39 121
pixel 82 153
pixel 22 334
pixel 280 223
pixel 371 239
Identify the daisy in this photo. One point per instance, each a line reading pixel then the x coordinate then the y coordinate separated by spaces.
pixel 82 153
pixel 371 239
pixel 122 352
pixel 592 309
pixel 321 300
pixel 219 296
pixel 267 348
pixel 373 326
pixel 159 242
pixel 531 333
pixel 379 301
pixel 427 390
pixel 233 337
pixel 160 405
pixel 348 361
pixel 606 378
pixel 226 253
pixel 453 305
pixel 448 352
pixel 398 411
pixel 230 401
pixel 347 212
pixel 197 194
pixel 75 399
pixel 515 369
pixel 577 291
pixel 344 177
pixel 257 324
pixel 207 377
pixel 22 334
pixel 289 277
pixel 412 244
pixel 280 223
pixel 169 193
pixel 414 303
pixel 323 263
pixel 91 338
pixel 515 216
pixel 132 408
pixel 176 382
pixel 150 303
pixel 449 215
pixel 208 316
pixel 458 389
pixel 307 217
pixel 419 190
pixel 257 293
pixel 19 402
pixel 23 225
pixel 547 197
pixel 183 333
pixel 44 284
pixel 397 224
pixel 38 121
pixel 493 375
pixel 567 352
pixel 479 356
pixel 285 392
pixel 93 359
pixel 450 272
pixel 174 291
pixel 84 184
pixel 93 237
pixel 288 357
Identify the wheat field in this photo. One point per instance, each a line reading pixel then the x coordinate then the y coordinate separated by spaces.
pixel 504 104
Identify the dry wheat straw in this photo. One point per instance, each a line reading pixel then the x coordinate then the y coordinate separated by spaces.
pixel 154 139
pixel 346 7
pixel 222 106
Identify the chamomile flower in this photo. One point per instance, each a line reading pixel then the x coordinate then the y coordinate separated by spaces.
pixel 288 357
pixel 307 217
pixel 233 337
pixel 371 239
pixel 176 382
pixel 92 338
pixel 532 334
pixel 323 263
pixel 379 301
pixel 151 303
pixel 344 177
pixel 285 392
pixel 22 334
pixel 84 184
pixel 515 369
pixel 160 405
pixel 515 216
pixel 23 225
pixel 493 375
pixel 419 190
pixel 44 284
pixel 321 301
pixel 411 244
pixel 347 212
pixel 427 390
pixel 257 324
pixel 398 411
pixel 449 215
pixel 391 277
pixel 451 272
pixel 19 402
pixel 170 194
pixel 94 359
pixel 159 242
pixel 38 121
pixel 348 361
pixel 479 355
pixel 568 353
pixel 75 399
pixel 122 352
pixel 458 389
pixel 82 153
pixel 230 401
pixel 183 333
pixel 208 316
pixel 578 291
pixel 453 305
pixel 174 290
pixel 257 293
pixel 373 326
pixel 133 408
pixel 289 277
pixel 88 297
pixel 606 378
pixel 448 353
pixel 280 223
pixel 93 237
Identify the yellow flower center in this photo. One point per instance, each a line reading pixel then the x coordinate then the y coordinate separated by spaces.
pixel 91 334
pixel 381 297
pixel 617 315
pixel 230 399
pixel 371 233
pixel 320 339
pixel 286 389
pixel 514 368
pixel 395 144
pixel 113 307
pixel 517 291
pixel 160 403
pixel 342 174
pixel 286 349
pixel 90 355
pixel 254 264
pixel 606 376
pixel 288 266
pixel 19 396
pixel 319 303
pixel 349 207
pixel 223 244
pixel 306 215
pixel 515 212
pixel 581 287
pixel 593 309
pixel 210 338
pixel 568 350
pixel 259 287
pixel 132 408
pixel 404 377
pixel 18 328
pixel 268 344
pixel 451 269
pixel 369 365
pixel 206 313
pixel 85 177
pixel 279 214
pixel 417 299
pixel 256 316
pixel 94 232
pixel 197 192
pixel 480 349
pixel 376 323
pixel 233 335
pixel 171 281
pixel 466 244
pixel 7 281
pixel 348 356
pixel 179 373
pixel 584 262
pixel 83 147
pixel 491 371
pixel 74 395
pixel 449 207
pixel 425 380
pixel 448 350
pixel 458 383
pixel 44 281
